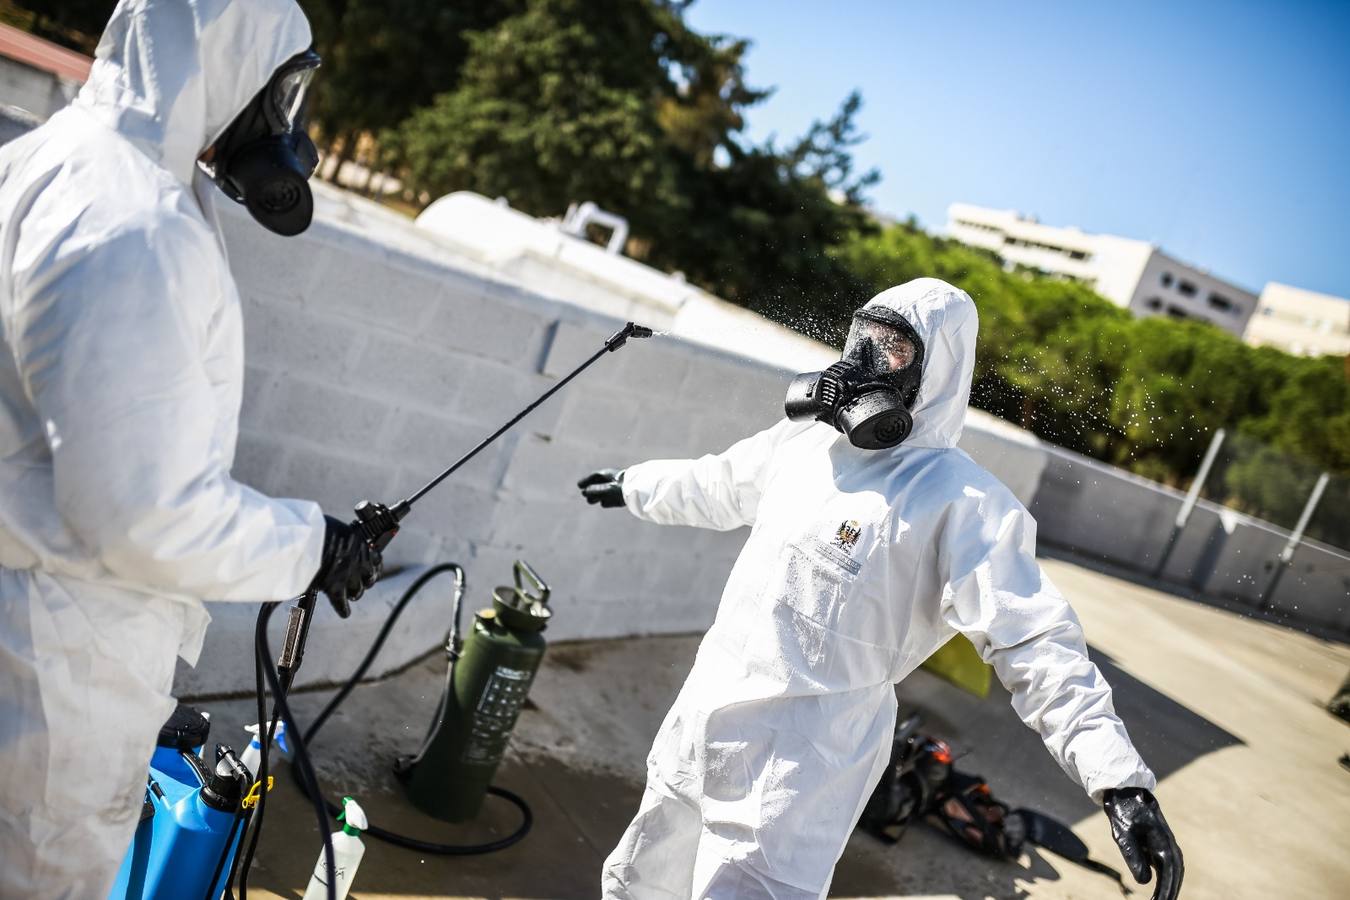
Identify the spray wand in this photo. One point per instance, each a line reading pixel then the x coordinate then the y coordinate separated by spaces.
pixel 380 523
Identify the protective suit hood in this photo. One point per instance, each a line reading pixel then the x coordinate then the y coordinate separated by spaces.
pixel 171 81
pixel 946 322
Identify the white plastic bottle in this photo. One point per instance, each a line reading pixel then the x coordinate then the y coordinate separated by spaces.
pixel 252 754
pixel 347 853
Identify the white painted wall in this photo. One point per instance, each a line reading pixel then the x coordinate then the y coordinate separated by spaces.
pixel 539 256
pixel 1109 515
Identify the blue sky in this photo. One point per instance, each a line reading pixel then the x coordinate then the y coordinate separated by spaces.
pixel 1219 130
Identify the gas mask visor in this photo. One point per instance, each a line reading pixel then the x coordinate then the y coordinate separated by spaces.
pixel 868 394
pixel 264 159
pixel 885 345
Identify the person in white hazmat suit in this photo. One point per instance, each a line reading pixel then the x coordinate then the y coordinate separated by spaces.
pixel 868 550
pixel 121 374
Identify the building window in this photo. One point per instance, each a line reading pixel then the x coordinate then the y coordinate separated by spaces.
pixel 1186 288
pixel 1221 303
pixel 1167 279
pixel 1011 241
pixel 1177 312
pixel 1154 303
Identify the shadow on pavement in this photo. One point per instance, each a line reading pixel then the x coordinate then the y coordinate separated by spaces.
pixel 1167 734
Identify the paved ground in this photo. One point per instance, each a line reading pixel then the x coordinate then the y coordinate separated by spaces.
pixel 1227 710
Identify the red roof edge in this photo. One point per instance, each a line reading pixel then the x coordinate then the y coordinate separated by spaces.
pixel 43 55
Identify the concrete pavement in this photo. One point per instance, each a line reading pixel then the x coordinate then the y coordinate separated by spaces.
pixel 1226 709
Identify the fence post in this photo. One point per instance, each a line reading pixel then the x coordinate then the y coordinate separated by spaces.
pixel 1188 505
pixel 1286 556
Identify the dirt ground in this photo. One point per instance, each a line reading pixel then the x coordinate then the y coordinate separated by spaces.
pixel 1227 710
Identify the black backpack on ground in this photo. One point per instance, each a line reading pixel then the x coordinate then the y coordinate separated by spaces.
pixel 921 783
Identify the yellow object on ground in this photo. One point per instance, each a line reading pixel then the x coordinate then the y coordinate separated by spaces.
pixel 959 662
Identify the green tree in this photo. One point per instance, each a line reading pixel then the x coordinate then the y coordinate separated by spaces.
pixel 76 24
pixel 619 102
pixel 556 104
pixel 382 59
pixel 758 228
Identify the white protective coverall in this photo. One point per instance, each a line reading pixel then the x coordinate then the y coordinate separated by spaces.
pixel 859 565
pixel 121 369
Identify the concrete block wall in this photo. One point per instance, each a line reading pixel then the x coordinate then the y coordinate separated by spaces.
pixel 1108 514
pixel 371 368
pixel 33 90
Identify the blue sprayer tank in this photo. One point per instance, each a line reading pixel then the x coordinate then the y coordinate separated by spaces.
pixel 191 814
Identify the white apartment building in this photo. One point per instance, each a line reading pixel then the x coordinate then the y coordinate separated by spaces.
pixel 1130 273
pixel 1301 322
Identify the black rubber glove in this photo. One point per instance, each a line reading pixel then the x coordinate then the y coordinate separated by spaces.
pixel 1144 839
pixel 604 487
pixel 349 566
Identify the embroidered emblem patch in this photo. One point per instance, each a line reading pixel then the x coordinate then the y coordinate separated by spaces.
pixel 847 535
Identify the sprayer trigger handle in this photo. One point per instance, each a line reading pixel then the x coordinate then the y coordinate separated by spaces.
pixel 378 522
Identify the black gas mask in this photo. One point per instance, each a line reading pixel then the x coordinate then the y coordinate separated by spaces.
pixel 868 394
pixel 264 158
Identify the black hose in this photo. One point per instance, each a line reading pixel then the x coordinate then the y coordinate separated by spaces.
pixel 308 779
pixel 452 640
pixel 350 684
pixel 255 817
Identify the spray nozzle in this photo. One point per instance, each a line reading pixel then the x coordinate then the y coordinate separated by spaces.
pixel 620 337
pixel 352 817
